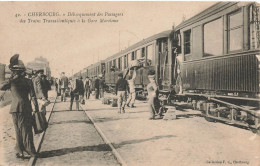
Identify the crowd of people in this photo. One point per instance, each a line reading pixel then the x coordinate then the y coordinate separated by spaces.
pixel 79 89
pixel 125 90
pixel 28 90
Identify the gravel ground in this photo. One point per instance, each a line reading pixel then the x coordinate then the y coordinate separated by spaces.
pixel 185 141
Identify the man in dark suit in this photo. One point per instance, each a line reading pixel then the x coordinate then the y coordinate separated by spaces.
pixel 96 86
pixel 21 108
pixel 74 93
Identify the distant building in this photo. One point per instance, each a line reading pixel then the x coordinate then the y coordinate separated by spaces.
pixel 40 63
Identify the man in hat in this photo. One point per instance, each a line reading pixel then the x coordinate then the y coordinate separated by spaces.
pixel 21 108
pixel 87 86
pixel 64 81
pixel 46 86
pixel 121 90
pixel 39 90
pixel 81 90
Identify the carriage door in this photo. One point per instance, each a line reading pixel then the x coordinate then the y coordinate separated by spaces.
pixel 163 64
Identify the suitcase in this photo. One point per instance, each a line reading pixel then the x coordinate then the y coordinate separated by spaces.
pixel 114 102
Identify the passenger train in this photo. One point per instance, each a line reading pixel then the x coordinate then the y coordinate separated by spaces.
pixel 211 60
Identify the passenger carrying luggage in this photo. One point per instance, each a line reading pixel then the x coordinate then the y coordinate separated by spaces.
pixel 40 123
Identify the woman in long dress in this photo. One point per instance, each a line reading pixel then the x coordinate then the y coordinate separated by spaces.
pixel 21 108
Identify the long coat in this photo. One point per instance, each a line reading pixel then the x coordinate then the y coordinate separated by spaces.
pixel 38 87
pixel 21 111
pixel 21 88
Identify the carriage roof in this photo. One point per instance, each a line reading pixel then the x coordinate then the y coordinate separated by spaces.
pixel 140 43
pixel 206 13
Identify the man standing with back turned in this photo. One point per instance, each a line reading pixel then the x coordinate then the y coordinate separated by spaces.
pixel 64 86
pixel 121 89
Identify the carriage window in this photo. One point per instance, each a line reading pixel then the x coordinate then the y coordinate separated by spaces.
pixel 254 26
pixel 125 61
pixel 114 63
pixel 110 64
pixel 133 56
pixel 119 63
pixel 143 53
pixel 187 42
pixel 235 31
pixel 213 38
pixel 149 54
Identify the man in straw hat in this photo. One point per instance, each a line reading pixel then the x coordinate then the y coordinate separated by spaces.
pixel 21 108
pixel 64 85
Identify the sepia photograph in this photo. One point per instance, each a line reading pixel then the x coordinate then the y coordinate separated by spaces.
pixel 129 83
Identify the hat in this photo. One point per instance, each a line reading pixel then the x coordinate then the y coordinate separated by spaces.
pixel 14 59
pixel 16 64
pixel 39 71
pixel 120 75
pixel 100 75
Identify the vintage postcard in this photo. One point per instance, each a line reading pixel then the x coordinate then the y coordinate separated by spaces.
pixel 173 83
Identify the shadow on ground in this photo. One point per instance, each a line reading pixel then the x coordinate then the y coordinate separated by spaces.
pixel 66 110
pixel 64 151
pixel 107 119
pixel 141 140
pixel 71 121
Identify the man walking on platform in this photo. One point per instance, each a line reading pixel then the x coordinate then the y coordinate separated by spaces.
pixel 96 86
pixel 64 86
pixel 87 86
pixel 121 89
pixel 46 86
pixel 132 94
pixel 74 93
pixel 81 90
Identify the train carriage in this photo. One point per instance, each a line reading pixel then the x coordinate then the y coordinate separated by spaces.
pixel 219 62
pixel 154 53
pixel 97 69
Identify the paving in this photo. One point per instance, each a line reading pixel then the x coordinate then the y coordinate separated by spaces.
pixel 187 140
pixel 72 139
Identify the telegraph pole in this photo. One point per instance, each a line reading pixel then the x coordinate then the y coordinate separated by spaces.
pixel 119 40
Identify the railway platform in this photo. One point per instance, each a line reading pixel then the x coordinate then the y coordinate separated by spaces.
pixel 98 135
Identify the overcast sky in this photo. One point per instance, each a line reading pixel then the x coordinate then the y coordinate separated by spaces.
pixel 75 46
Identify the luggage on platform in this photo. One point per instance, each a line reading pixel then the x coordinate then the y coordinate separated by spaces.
pixel 40 123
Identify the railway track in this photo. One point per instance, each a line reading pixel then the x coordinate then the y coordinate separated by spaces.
pixel 61 143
